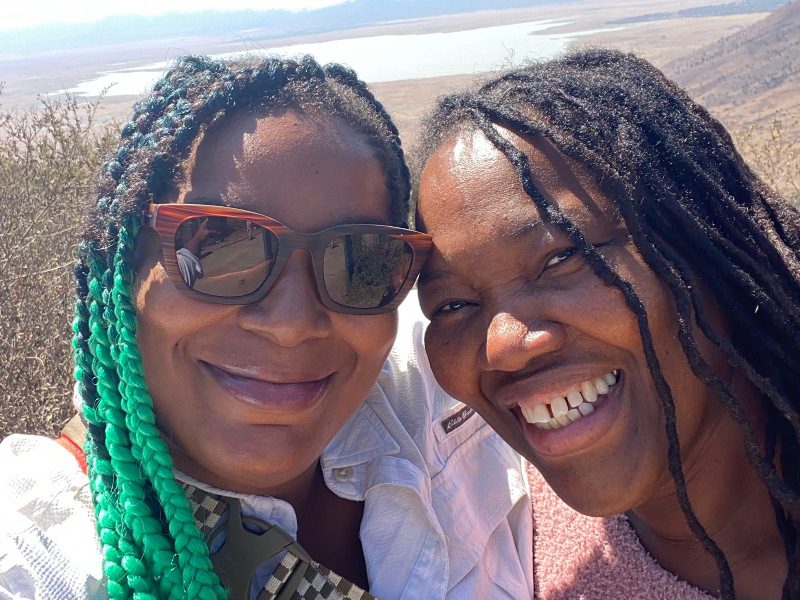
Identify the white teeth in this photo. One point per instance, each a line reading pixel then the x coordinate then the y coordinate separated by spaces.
pixel 574 398
pixel 577 403
pixel 527 412
pixel 537 413
pixel 588 391
pixel 559 406
pixel 541 414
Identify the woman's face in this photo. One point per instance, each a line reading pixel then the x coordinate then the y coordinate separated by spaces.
pixel 248 395
pixel 523 330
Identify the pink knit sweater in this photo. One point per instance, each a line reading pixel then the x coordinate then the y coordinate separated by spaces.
pixel 588 558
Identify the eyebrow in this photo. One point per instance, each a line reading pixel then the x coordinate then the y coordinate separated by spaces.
pixel 526 229
pixel 426 277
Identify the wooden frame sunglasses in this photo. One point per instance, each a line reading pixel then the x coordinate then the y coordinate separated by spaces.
pixel 228 255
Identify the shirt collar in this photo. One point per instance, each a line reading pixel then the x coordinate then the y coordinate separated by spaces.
pixel 266 508
pixel 363 438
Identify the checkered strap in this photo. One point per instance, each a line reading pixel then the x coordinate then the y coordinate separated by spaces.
pixel 316 583
pixel 207 509
pixel 297 576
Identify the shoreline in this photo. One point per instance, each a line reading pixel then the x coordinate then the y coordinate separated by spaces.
pixel 406 99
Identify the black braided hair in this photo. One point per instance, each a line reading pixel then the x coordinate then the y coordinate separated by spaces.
pixel 695 211
pixel 151 545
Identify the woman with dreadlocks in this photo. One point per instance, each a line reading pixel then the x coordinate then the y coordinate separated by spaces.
pixel 245 434
pixel 618 295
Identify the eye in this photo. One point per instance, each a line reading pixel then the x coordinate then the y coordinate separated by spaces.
pixel 560 257
pixel 451 307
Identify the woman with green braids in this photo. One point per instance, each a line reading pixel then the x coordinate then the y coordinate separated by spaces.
pixel 248 430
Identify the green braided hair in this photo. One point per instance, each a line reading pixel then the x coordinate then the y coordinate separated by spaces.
pixel 150 543
pixel 696 212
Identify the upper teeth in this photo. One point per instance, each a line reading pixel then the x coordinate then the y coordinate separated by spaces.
pixel 574 404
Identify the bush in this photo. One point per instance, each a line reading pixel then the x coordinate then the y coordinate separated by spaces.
pixel 774 153
pixel 48 160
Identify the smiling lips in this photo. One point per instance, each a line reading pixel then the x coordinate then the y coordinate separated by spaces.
pixel 287 396
pixel 576 403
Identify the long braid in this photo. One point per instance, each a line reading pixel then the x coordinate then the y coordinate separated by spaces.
pixel 131 524
pixel 684 193
pixel 151 545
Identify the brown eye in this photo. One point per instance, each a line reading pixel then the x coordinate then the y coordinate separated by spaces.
pixel 560 257
pixel 451 307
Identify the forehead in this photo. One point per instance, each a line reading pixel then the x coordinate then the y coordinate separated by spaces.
pixel 468 177
pixel 284 165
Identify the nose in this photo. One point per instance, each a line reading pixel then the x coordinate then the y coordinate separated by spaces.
pixel 512 343
pixel 291 312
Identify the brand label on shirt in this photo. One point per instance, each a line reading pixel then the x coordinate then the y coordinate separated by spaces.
pixel 456 420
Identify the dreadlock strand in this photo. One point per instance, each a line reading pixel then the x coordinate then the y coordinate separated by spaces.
pixel 554 215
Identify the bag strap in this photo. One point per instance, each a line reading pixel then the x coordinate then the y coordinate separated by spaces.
pixel 297 576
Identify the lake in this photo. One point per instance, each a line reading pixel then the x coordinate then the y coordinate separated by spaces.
pixel 389 57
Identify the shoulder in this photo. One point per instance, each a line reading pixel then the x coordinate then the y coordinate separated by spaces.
pixel 476 483
pixel 48 545
pixel 34 473
pixel 406 387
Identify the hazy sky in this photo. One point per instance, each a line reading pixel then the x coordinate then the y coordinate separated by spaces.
pixel 26 13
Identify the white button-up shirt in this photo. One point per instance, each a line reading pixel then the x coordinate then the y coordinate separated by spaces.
pixel 446 506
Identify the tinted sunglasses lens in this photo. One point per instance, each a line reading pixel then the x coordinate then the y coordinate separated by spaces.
pixel 225 257
pixel 366 270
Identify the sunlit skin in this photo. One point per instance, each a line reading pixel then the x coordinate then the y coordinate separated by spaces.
pixel 248 396
pixel 518 316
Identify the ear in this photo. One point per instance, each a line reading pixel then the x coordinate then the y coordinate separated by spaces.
pixel 147 251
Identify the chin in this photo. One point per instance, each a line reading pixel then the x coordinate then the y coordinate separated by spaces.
pixel 593 491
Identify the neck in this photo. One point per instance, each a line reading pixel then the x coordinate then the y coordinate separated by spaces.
pixel 301 490
pixel 734 507
pixel 296 491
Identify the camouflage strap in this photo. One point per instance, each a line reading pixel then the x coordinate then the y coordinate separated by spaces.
pixel 297 576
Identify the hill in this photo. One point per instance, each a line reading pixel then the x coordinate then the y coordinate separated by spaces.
pixel 749 75
pixel 709 10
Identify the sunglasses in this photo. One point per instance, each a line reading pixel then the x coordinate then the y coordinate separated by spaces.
pixel 232 256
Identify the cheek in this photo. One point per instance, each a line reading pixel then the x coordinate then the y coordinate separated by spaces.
pixel 453 360
pixel 369 337
pixel 165 320
pixel 610 308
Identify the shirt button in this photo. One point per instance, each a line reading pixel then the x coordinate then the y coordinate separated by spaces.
pixel 343 474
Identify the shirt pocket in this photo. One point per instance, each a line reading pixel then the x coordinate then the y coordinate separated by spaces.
pixel 481 499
